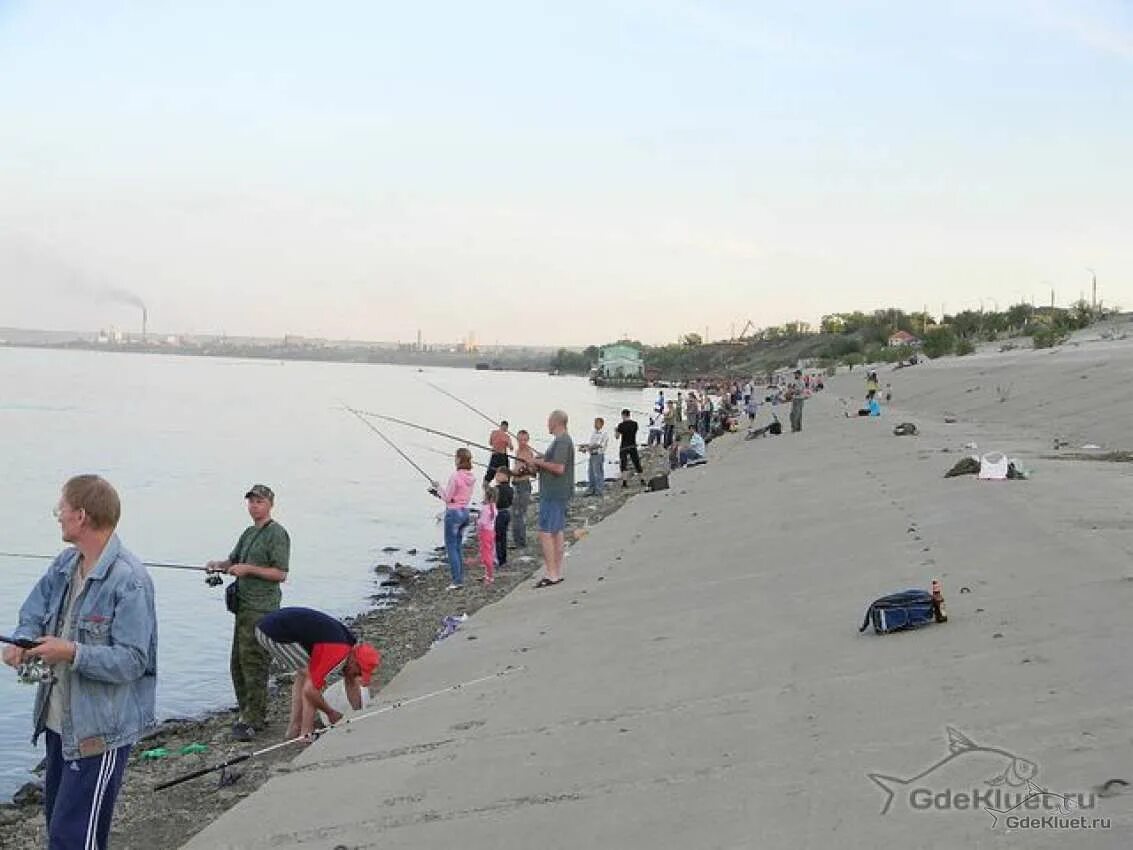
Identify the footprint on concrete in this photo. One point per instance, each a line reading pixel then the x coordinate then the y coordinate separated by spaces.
pixel 468 724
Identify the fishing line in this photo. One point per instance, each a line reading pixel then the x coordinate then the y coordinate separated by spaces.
pixel 478 412
pixel 391 443
pixel 481 413
pixel 445 434
pixel 429 430
pixel 158 564
pixel 449 455
pixel 319 733
pixel 459 400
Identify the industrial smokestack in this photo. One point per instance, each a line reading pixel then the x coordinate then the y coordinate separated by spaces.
pixel 145 318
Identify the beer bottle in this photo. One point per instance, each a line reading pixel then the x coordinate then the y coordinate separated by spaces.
pixel 938 610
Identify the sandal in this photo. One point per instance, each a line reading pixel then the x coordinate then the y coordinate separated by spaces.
pixel 546 582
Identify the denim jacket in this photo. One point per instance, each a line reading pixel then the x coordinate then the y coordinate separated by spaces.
pixel 114 675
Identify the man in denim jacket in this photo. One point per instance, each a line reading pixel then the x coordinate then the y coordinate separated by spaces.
pixel 92 615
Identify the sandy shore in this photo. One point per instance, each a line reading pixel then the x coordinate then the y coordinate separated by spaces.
pixel 699 680
pixel 403 631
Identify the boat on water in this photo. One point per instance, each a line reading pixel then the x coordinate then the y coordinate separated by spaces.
pixel 620 366
pixel 628 382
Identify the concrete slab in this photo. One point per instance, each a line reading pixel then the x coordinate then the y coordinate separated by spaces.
pixel 699 680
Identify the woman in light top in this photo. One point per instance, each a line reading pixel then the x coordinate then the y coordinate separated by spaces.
pixel 456 495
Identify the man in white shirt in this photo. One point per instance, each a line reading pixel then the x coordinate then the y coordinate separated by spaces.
pixel 596 447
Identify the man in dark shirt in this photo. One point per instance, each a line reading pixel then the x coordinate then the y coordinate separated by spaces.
pixel 319 650
pixel 627 451
pixel 505 495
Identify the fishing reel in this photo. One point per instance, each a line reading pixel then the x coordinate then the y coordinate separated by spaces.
pixel 214 580
pixel 33 671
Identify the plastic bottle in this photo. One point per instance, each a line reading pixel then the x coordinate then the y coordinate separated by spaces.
pixel 938 609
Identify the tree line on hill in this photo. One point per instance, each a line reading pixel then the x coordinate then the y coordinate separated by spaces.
pixel 849 339
pixel 863 338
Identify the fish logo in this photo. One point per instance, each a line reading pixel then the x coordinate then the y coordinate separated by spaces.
pixel 1062 803
pixel 1017 771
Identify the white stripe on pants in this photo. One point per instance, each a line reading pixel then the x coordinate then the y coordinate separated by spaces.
pixel 105 771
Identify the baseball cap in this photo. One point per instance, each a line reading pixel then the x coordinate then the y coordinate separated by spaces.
pixel 368 660
pixel 260 491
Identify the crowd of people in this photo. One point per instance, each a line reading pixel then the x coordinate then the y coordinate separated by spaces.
pixel 505 496
pixel 91 619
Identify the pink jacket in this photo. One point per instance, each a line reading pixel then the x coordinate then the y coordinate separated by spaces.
pixel 487 521
pixel 458 492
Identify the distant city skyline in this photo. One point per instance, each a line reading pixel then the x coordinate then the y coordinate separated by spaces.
pixel 557 175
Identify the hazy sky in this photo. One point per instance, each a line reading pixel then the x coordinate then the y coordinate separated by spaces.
pixel 557 172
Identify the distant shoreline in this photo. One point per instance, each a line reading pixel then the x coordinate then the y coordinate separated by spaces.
pixel 360 355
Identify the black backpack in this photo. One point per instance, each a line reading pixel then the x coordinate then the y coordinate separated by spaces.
pixel 908 609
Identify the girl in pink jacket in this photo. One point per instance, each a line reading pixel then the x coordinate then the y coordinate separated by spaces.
pixel 486 531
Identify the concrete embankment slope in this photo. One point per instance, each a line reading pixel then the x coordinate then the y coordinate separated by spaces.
pixel 699 680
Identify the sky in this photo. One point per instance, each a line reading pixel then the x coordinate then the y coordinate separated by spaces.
pixel 557 173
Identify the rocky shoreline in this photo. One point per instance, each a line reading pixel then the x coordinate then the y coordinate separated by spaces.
pixel 409 607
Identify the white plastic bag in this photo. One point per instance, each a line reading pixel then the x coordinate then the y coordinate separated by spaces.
pixel 993 467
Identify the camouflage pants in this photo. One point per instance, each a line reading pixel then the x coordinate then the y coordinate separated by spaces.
pixel 249 666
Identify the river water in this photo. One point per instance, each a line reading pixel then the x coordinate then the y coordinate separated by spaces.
pixel 182 439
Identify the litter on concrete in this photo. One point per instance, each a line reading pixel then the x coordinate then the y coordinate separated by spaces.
pixel 449 625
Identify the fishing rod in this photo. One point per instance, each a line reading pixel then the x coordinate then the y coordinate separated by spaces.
pixel 479 412
pixel 22 643
pixel 158 564
pixel 391 443
pixel 433 431
pixel 318 733
pixel 459 400
pixel 442 452
pixel 446 435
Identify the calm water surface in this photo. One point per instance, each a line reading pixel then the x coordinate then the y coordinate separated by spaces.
pixel 182 438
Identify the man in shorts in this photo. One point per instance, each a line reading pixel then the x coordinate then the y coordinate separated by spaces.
pixel 556 487
pixel 501 443
pixel 319 650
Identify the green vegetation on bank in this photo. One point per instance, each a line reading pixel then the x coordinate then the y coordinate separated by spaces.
pixel 850 339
